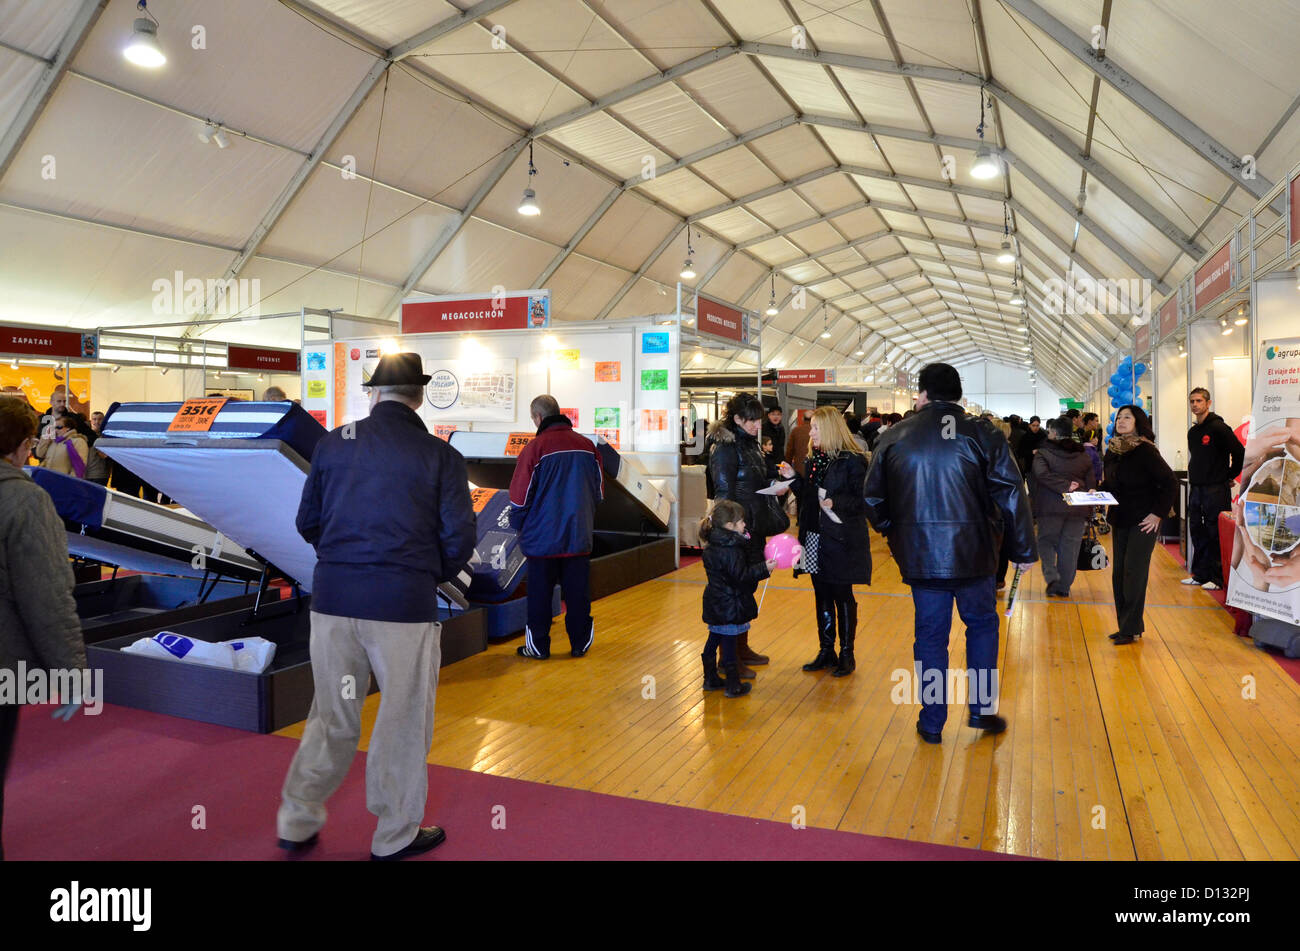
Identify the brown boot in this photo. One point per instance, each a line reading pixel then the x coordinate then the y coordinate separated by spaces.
pixel 747 656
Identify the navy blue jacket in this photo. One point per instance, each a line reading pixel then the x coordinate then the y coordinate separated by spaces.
pixel 389 513
pixel 554 491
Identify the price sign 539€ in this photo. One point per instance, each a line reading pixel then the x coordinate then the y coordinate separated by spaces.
pixel 197 415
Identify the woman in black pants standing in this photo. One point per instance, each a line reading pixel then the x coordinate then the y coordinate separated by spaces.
pixel 1144 486
pixel 738 470
pixel 833 532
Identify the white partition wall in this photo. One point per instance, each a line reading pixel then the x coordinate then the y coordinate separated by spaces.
pixel 1004 390
pixel 1171 417
pixel 1226 379
pixel 1275 309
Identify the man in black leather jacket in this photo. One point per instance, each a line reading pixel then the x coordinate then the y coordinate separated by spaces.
pixel 945 491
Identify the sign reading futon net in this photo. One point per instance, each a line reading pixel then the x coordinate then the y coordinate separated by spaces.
pixel 1265 576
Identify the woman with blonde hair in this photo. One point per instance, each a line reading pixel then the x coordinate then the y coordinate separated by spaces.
pixel 833 532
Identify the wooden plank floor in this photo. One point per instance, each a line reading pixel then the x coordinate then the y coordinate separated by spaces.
pixel 1153 751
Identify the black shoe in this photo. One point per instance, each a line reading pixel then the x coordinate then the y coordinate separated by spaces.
pixel 429 837
pixel 711 679
pixel 292 845
pixel 531 654
pixel 989 723
pixel 825 658
pixel 734 686
pixel 1057 593
pixel 582 651
pixel 1124 638
pixel 929 737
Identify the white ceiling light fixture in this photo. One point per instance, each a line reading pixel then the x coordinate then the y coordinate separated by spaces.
pixel 1006 256
pixel 688 268
pixel 14 364
pixel 1182 351
pixel 528 204
pixel 826 326
pixel 1223 322
pixel 143 49
pixel 1242 317
pixel 771 305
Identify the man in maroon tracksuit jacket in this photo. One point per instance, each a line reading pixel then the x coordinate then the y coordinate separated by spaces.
pixel 553 496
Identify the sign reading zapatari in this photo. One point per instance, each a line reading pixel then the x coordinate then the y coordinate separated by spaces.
pixel 1213 278
pixel 719 320
pixel 261 358
pixel 509 310
pixel 43 342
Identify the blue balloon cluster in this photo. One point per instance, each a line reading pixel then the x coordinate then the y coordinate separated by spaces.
pixel 1124 389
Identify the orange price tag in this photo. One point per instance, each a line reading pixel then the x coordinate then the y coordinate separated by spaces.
pixel 197 415
pixel 515 444
pixel 480 498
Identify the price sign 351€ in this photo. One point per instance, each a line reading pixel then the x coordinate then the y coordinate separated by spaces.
pixel 197 415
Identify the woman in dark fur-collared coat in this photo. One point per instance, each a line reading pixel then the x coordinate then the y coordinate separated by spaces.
pixel 833 532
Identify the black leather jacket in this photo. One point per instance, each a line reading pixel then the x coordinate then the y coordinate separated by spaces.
pixel 737 467
pixel 945 491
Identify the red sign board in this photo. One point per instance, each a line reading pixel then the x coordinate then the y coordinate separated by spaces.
pixel 1295 210
pixel 42 342
pixel 721 320
pixel 518 311
pixel 1168 317
pixel 260 358
pixel 1213 278
pixel 1142 340
pixel 197 415
pixel 805 376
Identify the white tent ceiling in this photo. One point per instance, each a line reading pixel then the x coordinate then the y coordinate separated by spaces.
pixel 377 149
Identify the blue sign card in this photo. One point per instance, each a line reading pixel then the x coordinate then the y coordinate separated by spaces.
pixel 315 360
pixel 654 343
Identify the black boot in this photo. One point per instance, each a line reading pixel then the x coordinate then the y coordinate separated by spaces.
pixel 847 612
pixel 825 633
pixel 735 686
pixel 711 679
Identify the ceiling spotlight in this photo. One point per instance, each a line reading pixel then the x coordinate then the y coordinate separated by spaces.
pixel 208 132
pixel 142 49
pixel 1223 322
pixel 14 364
pixel 164 370
pixel 1025 348
pixel 1136 320
pixel 1006 256
pixel 219 137
pixel 1024 329
pixel 985 165
pixel 771 308
pixel 116 368
pixel 688 271
pixel 1182 351
pixel 1242 319
pixel 1017 298
pixel 528 204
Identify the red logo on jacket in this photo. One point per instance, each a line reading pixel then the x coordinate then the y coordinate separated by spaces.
pixel 1205 440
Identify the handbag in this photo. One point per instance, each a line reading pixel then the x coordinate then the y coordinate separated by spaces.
pixel 769 516
pixel 1092 555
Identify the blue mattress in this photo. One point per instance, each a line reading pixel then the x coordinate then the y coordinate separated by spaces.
pixel 116 529
pixel 287 422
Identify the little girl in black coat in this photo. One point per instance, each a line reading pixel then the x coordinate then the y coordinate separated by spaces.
pixel 729 603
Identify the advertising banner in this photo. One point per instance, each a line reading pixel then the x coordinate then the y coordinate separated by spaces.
pixel 805 376
pixel 516 310
pixel 1265 576
pixel 262 359
pixel 1142 341
pixel 1213 278
pixel 42 342
pixel 1168 317
pixel 719 320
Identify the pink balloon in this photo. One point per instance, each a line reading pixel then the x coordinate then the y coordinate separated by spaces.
pixel 785 549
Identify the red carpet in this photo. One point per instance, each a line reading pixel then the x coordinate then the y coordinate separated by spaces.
pixel 125 786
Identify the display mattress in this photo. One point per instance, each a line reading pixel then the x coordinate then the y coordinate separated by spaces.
pixel 116 529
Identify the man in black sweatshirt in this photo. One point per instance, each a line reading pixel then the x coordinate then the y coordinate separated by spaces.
pixel 1214 458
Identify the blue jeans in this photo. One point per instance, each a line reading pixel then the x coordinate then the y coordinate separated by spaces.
pixel 977 606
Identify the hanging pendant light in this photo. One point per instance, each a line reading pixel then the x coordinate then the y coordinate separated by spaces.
pixel 771 305
pixel 1242 318
pixel 143 49
pixel 528 204
pixel 688 269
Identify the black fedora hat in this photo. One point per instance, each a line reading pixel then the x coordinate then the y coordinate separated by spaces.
pixel 398 369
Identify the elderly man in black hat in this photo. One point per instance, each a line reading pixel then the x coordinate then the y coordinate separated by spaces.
pixel 387 507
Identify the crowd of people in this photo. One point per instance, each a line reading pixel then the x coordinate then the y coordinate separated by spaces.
pixel 960 499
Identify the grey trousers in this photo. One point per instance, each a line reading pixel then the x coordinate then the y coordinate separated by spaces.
pixel 1058 549
pixel 405 660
